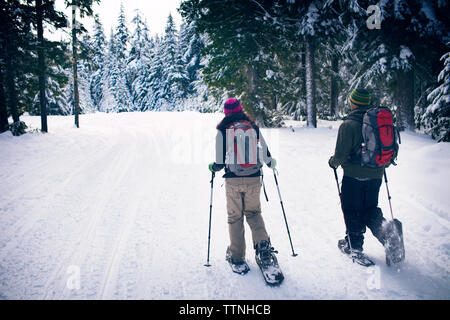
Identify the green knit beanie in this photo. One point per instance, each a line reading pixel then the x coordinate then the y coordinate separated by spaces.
pixel 360 97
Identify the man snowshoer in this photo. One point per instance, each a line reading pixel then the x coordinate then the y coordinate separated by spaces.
pixel 360 184
pixel 243 187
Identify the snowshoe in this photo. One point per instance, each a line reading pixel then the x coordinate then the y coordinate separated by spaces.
pixel 240 267
pixel 268 263
pixel 357 256
pixel 394 246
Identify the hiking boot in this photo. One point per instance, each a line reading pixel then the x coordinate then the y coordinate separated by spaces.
pixel 265 253
pixel 343 246
pixel 238 266
pixel 355 254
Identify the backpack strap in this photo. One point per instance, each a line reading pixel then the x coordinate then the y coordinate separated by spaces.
pixel 397 132
pixel 356 156
pixel 224 146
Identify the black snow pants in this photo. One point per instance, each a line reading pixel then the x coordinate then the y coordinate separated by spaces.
pixel 360 207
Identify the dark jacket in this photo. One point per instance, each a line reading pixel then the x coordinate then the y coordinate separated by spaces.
pixel 221 144
pixel 348 145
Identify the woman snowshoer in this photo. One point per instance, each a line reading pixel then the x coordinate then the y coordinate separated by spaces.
pixel 240 148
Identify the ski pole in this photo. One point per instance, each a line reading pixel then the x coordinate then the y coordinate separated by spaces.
pixel 264 186
pixel 388 193
pixel 340 200
pixel 210 215
pixel 337 183
pixel 284 213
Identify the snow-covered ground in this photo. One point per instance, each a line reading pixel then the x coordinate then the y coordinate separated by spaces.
pixel 119 209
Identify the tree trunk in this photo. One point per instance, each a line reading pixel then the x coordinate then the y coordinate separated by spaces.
pixel 334 90
pixel 41 65
pixel 404 100
pixel 76 95
pixel 10 80
pixel 255 112
pixel 3 111
pixel 303 79
pixel 311 117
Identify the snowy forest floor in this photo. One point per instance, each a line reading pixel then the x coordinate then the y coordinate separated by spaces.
pixel 119 209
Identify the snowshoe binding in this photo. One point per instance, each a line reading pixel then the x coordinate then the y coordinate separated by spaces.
pixel 268 263
pixel 240 267
pixel 357 256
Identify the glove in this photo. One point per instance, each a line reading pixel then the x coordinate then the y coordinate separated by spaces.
pixel 211 167
pixel 329 163
pixel 273 164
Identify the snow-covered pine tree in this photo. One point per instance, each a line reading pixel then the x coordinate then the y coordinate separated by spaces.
pixel 191 42
pixel 85 67
pixel 387 61
pixel 121 36
pixel 108 102
pixel 437 115
pixel 240 36
pixel 204 100
pixel 118 87
pixel 142 89
pixel 174 73
pixel 16 60
pixel 148 86
pixel 84 78
pixel 136 46
pixel 98 60
pixel 318 22
pixel 57 103
pixel 406 46
pixel 138 59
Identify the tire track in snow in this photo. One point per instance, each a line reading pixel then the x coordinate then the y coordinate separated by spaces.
pixel 43 162
pixel 77 256
pixel 149 149
pixel 25 224
pixel 109 279
pixel 143 240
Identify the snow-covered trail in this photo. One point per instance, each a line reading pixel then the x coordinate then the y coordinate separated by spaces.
pixel 121 206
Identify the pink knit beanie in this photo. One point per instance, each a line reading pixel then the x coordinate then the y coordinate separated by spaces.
pixel 232 105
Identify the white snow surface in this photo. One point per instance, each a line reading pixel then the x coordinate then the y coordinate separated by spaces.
pixel 119 209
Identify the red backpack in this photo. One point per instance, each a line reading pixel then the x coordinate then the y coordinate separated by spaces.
pixel 381 138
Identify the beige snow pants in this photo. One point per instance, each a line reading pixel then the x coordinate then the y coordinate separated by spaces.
pixel 243 199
